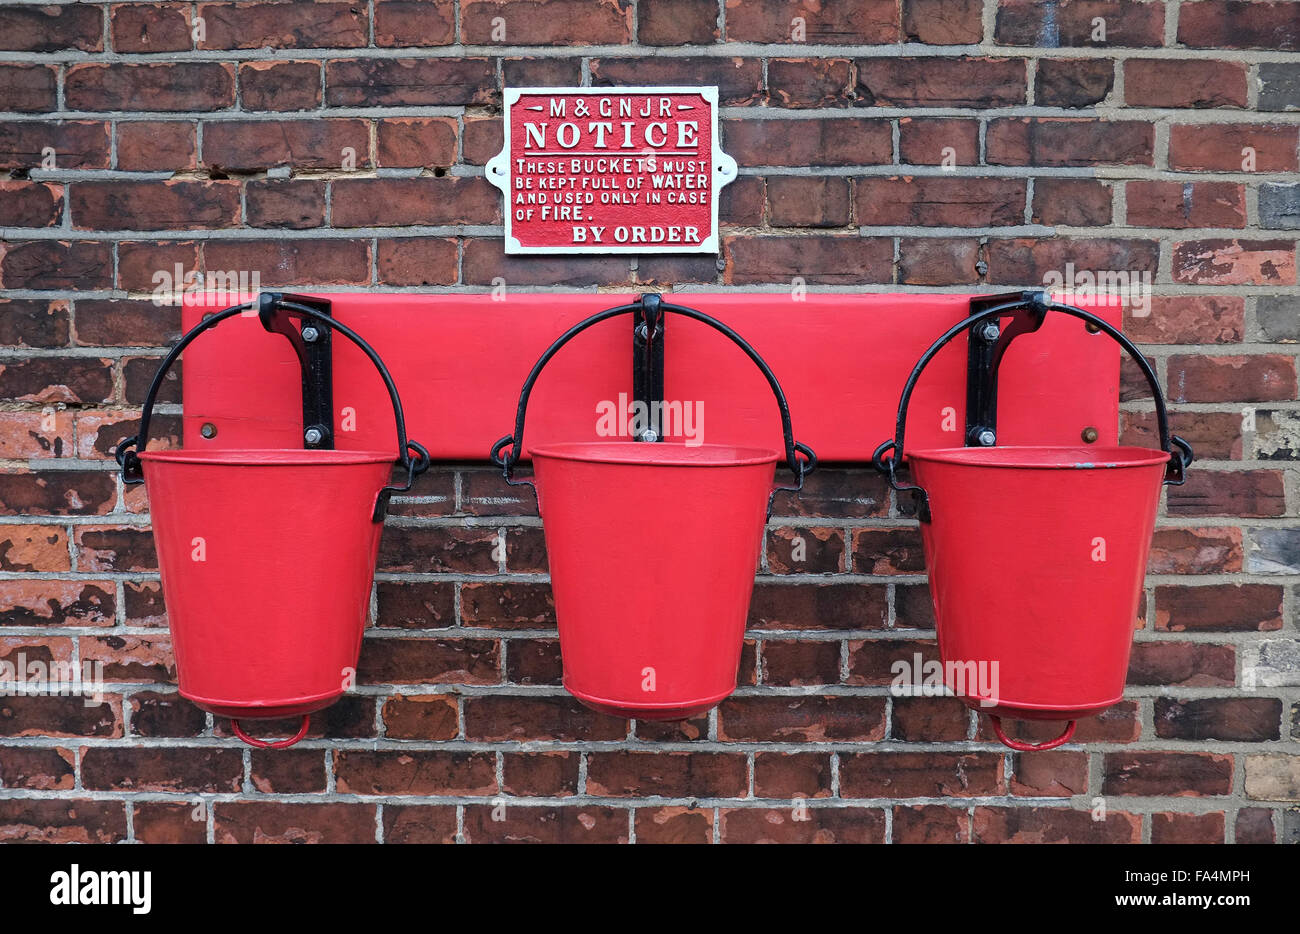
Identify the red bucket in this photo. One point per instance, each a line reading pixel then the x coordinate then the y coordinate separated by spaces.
pixel 652 548
pixel 1036 558
pixel 652 551
pixel 267 557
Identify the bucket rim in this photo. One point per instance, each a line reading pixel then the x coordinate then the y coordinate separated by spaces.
pixel 1055 457
pixel 635 453
pixel 267 457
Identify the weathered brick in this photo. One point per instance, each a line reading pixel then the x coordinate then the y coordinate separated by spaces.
pixel 1053 825
pixel 149 27
pixel 1073 82
pixel 61 144
pixel 170 768
pixel 811 825
pixel 1235 24
pixel 31 28
pixel 1279 86
pixel 1066 141
pixel 28 88
pixel 809 82
pixel 1273 778
pixel 677 22
pixel 1172 774
pixel 1186 204
pixel 628 773
pixel 546 22
pixel 1219 608
pixel 1279 206
pixel 1073 202
pixel 417 261
pixel 154 145
pixel 817 260
pixel 323 25
pixel 1243 719
pixel 401 23
pixel 837 22
pixel 294 204
pixel 1073 23
pixel 1168 82
pixel 280 85
pixel 62 820
pixel 286 822
pixel 1232 147
pixel 920 775
pixel 56 264
pixel 579 824
pixel 950 141
pixel 32 204
pixel 416 141
pixel 941 82
pixel 943 22
pixel 412 772
pixel 170 86
pixel 809 142
pixel 162 205
pixel 1245 493
pixel 739 80
pixel 409 82
pixel 810 718
pixel 929 200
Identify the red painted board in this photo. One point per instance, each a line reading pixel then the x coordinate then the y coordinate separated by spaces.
pixel 459 362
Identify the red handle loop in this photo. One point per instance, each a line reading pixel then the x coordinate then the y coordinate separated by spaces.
pixel 267 744
pixel 1018 746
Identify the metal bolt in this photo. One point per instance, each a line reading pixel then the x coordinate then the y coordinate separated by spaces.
pixel 1089 435
pixel 990 331
pixel 313 436
pixel 208 430
pixel 650 435
pixel 987 437
pixel 310 334
pixel 1092 328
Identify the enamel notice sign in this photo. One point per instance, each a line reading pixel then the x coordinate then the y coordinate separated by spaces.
pixel 611 170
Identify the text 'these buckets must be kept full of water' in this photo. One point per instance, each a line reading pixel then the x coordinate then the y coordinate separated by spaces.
pixel 652 548
pixel 267 559
pixel 1036 558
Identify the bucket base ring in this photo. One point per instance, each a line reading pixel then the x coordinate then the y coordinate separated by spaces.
pixel 267 744
pixel 1031 747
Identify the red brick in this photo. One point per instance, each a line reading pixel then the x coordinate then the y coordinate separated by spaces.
pixel 30 28
pixel 1219 608
pixel 809 82
pixel 792 775
pixel 677 22
pixel 551 72
pixel 33 323
pixel 1238 719
pixel 845 260
pixel 1254 378
pixel 293 204
pixel 801 719
pixel 524 719
pixel 484 261
pixel 402 202
pixel 941 82
pixel 285 262
pixel 154 713
pixel 1189 319
pixel 150 27
pixel 1066 141
pixel 417 141
pixel 401 23
pixel 1031 260
pixel 1254 825
pixel 160 205
pixel 483 138
pixel 171 768
pixel 115 548
pixel 152 145
pixel 546 22
pixel 1059 774
pixel 1072 202
pixel 28 88
pixel 1195 551
pixel 1167 82
pixel 1238 493
pixel 139 261
pixel 409 82
pixel 430 661
pixel 521 824
pixel 930 823
pixel 920 775
pixel 424 717
pixel 938 201
pixel 1235 24
pixel 72 144
pixel 1073 82
pixel 1071 23
pixel 37 769
pixel 284 822
pixel 245 145
pixel 1186 204
pixel 626 773
pixel 937 261
pixel 57 603
pixel 1235 262
pixel 1167 827
pixel 171 86
pixel 1171 774
pixel 928 719
pixel 57 379
pixel 925 141
pixel 1053 825
pixel 809 142
pixel 1182 664
pixel 284 25
pixel 739 80
pixel 63 820
pixel 32 204
pixel 540 774
pixel 280 85
pixel 1213 435
pixel 166 822
pixel 838 22
pixel 821 551
pixel 674 825
pixel 796 664
pixel 417 261
pixel 813 825
pixel 943 22
pixel 411 772
pixel 55 264
pixel 1220 147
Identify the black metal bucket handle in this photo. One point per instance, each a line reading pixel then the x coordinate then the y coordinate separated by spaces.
pixel 800 466
pixel 1179 460
pixel 126 452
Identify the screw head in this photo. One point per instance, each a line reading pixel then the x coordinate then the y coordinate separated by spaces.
pixel 650 435
pixel 989 331
pixel 987 437
pixel 1091 328
pixel 310 334
pixel 1089 435
pixel 208 430
pixel 313 436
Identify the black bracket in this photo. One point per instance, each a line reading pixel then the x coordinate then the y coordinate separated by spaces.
pixel 648 363
pixel 987 343
pixel 313 344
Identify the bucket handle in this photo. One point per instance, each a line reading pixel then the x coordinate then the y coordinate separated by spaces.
pixel 268 744
pixel 799 457
pixel 1179 460
pixel 129 460
pixel 1020 746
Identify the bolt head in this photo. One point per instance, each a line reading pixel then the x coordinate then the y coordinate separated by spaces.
pixel 987 438
pixel 208 430
pixel 650 435
pixel 990 331
pixel 310 334
pixel 1089 435
pixel 313 436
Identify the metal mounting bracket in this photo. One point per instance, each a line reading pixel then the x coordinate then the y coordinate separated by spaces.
pixel 313 345
pixel 987 344
pixel 648 363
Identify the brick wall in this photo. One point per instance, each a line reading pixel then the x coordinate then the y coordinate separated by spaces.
pixel 1169 147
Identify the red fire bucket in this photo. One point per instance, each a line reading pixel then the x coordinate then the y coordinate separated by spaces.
pixel 652 550
pixel 267 559
pixel 1036 557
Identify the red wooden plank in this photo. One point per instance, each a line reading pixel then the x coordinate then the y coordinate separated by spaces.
pixel 459 362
